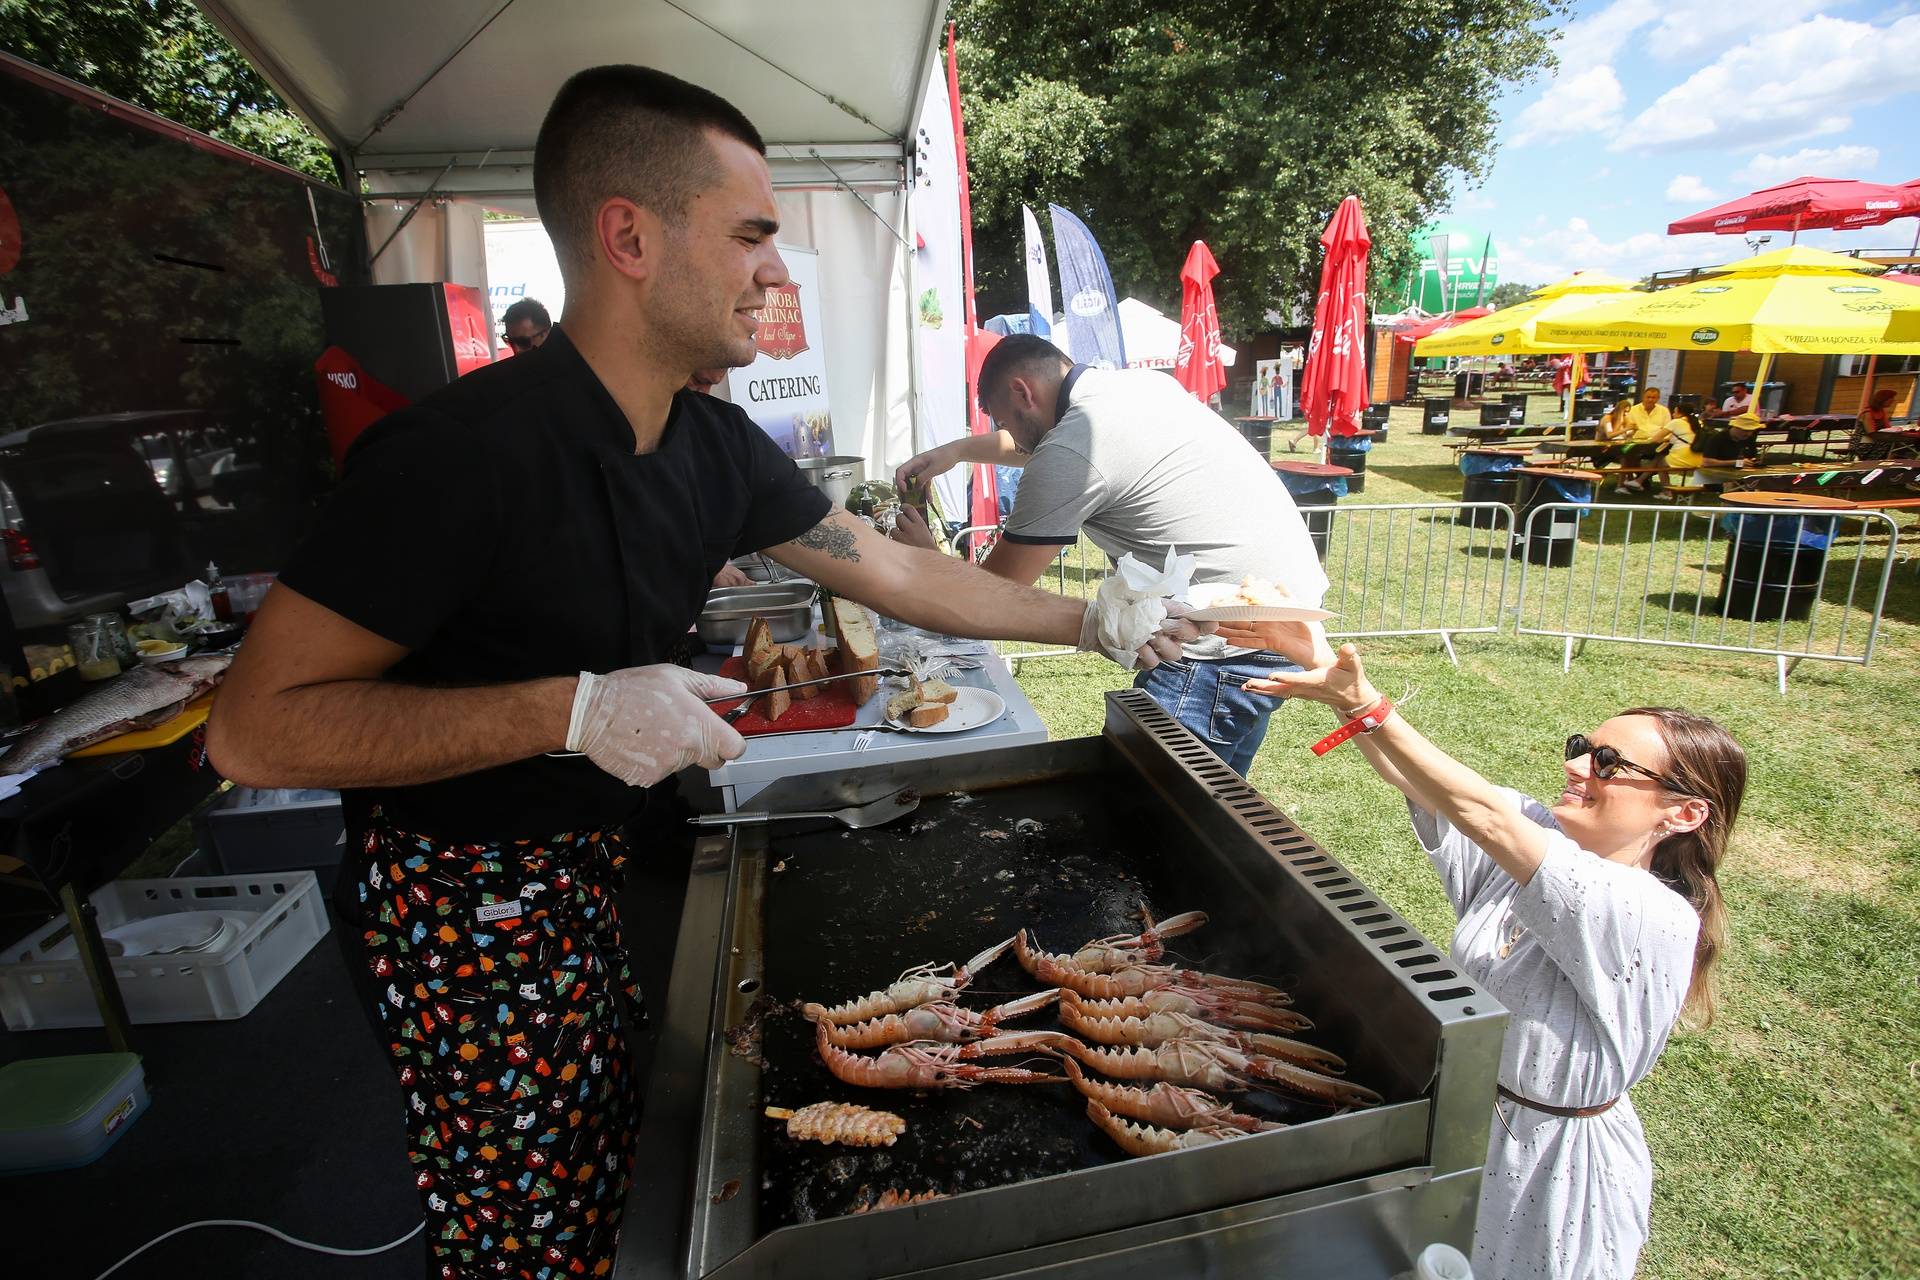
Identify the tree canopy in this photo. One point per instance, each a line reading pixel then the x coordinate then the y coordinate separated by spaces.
pixel 165 56
pixel 1165 121
pixel 1506 293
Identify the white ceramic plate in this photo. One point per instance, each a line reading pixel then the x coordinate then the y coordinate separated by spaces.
pixel 970 710
pixel 1210 605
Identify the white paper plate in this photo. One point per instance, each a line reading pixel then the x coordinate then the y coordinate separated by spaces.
pixel 1210 605
pixel 970 710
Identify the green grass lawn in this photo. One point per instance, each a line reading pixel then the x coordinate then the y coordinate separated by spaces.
pixel 1786 1137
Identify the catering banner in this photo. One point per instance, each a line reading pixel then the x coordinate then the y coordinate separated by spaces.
pixel 520 264
pixel 940 310
pixel 785 388
pixel 1039 279
pixel 1093 322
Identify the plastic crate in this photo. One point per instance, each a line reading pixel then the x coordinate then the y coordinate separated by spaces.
pixel 61 1113
pixel 250 832
pixel 38 992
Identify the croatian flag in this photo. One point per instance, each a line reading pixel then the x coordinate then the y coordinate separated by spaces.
pixel 1093 318
pixel 1039 281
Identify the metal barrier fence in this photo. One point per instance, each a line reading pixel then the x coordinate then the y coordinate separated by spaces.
pixel 1414 569
pixel 1794 586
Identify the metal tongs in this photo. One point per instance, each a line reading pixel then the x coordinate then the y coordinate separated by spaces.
pixel 747 698
pixel 858 817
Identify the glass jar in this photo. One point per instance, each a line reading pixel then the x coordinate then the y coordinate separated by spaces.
pixel 115 630
pixel 94 650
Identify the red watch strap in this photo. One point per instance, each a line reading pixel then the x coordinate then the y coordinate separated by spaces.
pixel 1366 722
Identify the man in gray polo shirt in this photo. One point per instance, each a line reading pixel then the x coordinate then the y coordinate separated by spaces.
pixel 1131 458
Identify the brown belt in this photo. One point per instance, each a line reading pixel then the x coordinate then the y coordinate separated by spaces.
pixel 1570 1113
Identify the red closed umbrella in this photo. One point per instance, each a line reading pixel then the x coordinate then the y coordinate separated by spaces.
pixel 1333 389
pixel 1198 366
pixel 1804 205
pixel 1434 324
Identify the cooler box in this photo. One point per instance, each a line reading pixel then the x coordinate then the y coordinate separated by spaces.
pixel 61 1113
pixel 249 831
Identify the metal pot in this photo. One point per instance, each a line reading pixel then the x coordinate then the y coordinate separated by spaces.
pixel 835 477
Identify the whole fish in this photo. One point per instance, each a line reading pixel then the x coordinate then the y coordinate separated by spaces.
pixel 142 698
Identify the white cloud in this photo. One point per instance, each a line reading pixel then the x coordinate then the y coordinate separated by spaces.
pixel 1820 162
pixel 1588 101
pixel 1473 201
pixel 1598 37
pixel 1794 82
pixel 1573 246
pixel 1686 188
pixel 1689 30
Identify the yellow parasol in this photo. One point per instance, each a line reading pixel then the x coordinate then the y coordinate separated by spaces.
pixel 1797 300
pixel 1515 328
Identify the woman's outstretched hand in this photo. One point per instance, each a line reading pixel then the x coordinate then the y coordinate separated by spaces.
pixel 1299 642
pixel 1341 684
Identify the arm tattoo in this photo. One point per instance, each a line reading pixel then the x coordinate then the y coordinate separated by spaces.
pixel 834 539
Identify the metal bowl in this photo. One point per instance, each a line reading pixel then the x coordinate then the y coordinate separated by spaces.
pixel 787 607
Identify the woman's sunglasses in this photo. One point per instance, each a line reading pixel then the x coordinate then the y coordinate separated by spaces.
pixel 1607 762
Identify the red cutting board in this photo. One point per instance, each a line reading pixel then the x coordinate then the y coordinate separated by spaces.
pixel 833 709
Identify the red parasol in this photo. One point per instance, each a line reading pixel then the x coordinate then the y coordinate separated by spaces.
pixel 1333 389
pixel 1198 366
pixel 1804 205
pixel 1434 324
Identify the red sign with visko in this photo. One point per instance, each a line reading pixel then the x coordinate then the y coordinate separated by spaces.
pixel 469 322
pixel 782 334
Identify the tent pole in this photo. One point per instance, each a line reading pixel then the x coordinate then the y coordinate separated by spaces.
pixel 1866 389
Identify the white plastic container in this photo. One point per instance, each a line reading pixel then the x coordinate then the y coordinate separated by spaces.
pixel 61 1113
pixel 285 917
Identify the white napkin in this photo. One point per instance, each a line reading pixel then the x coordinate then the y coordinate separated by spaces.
pixel 1131 604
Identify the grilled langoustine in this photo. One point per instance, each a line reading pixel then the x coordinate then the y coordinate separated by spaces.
pixel 1169 1106
pixel 927 1065
pixel 1209 1006
pixel 1208 1064
pixel 1149 1140
pixel 1158 1028
pixel 841 1122
pixel 1104 955
pixel 1138 979
pixel 942 1021
pixel 923 985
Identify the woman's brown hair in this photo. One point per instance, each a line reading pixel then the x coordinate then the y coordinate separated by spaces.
pixel 1706 762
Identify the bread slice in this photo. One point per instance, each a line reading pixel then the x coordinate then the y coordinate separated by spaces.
pixel 938 691
pixel 805 665
pixel 759 643
pixel 775 704
pixel 765 669
pixel 852 628
pixel 900 705
pixel 927 713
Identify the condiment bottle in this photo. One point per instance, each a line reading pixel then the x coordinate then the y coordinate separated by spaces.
pixel 217 594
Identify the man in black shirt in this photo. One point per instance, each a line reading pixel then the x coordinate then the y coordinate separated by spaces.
pixel 499 582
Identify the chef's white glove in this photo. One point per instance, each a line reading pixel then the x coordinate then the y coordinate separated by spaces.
pixel 1137 633
pixel 645 723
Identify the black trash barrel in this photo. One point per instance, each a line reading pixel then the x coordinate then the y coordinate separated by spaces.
pixel 1493 486
pixel 1590 408
pixel 1494 415
pixel 1375 419
pixel 1550 539
pixel 1436 415
pixel 1257 432
pixel 1341 454
pixel 1767 579
pixel 1467 385
pixel 1312 487
pixel 1516 403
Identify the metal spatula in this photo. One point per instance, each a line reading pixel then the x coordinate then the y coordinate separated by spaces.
pixel 859 816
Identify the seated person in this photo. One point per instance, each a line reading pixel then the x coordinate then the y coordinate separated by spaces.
pixel 1649 422
pixel 1683 431
pixel 1875 418
pixel 1723 450
pixel 1738 401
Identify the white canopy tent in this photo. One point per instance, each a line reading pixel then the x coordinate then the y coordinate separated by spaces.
pixel 1152 337
pixel 438 105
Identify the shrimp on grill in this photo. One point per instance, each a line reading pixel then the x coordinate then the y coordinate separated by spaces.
pixel 925 1065
pixel 1138 979
pixel 842 1122
pixel 1104 955
pixel 1167 1105
pixel 943 1021
pixel 1158 1028
pixel 910 990
pixel 1208 1006
pixel 1219 1068
pixel 1146 1140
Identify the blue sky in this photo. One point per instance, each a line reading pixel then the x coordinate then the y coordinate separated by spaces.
pixel 1659 110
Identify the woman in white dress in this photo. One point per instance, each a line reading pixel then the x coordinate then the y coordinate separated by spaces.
pixel 1596 921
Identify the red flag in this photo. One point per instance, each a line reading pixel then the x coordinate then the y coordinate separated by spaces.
pixel 1333 388
pixel 985 512
pixel 1198 366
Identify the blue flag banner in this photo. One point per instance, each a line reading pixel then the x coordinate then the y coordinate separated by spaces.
pixel 1093 320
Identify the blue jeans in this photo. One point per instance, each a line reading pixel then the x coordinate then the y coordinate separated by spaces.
pixel 1209 696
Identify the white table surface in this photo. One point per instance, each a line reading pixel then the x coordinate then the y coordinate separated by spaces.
pixel 771 757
